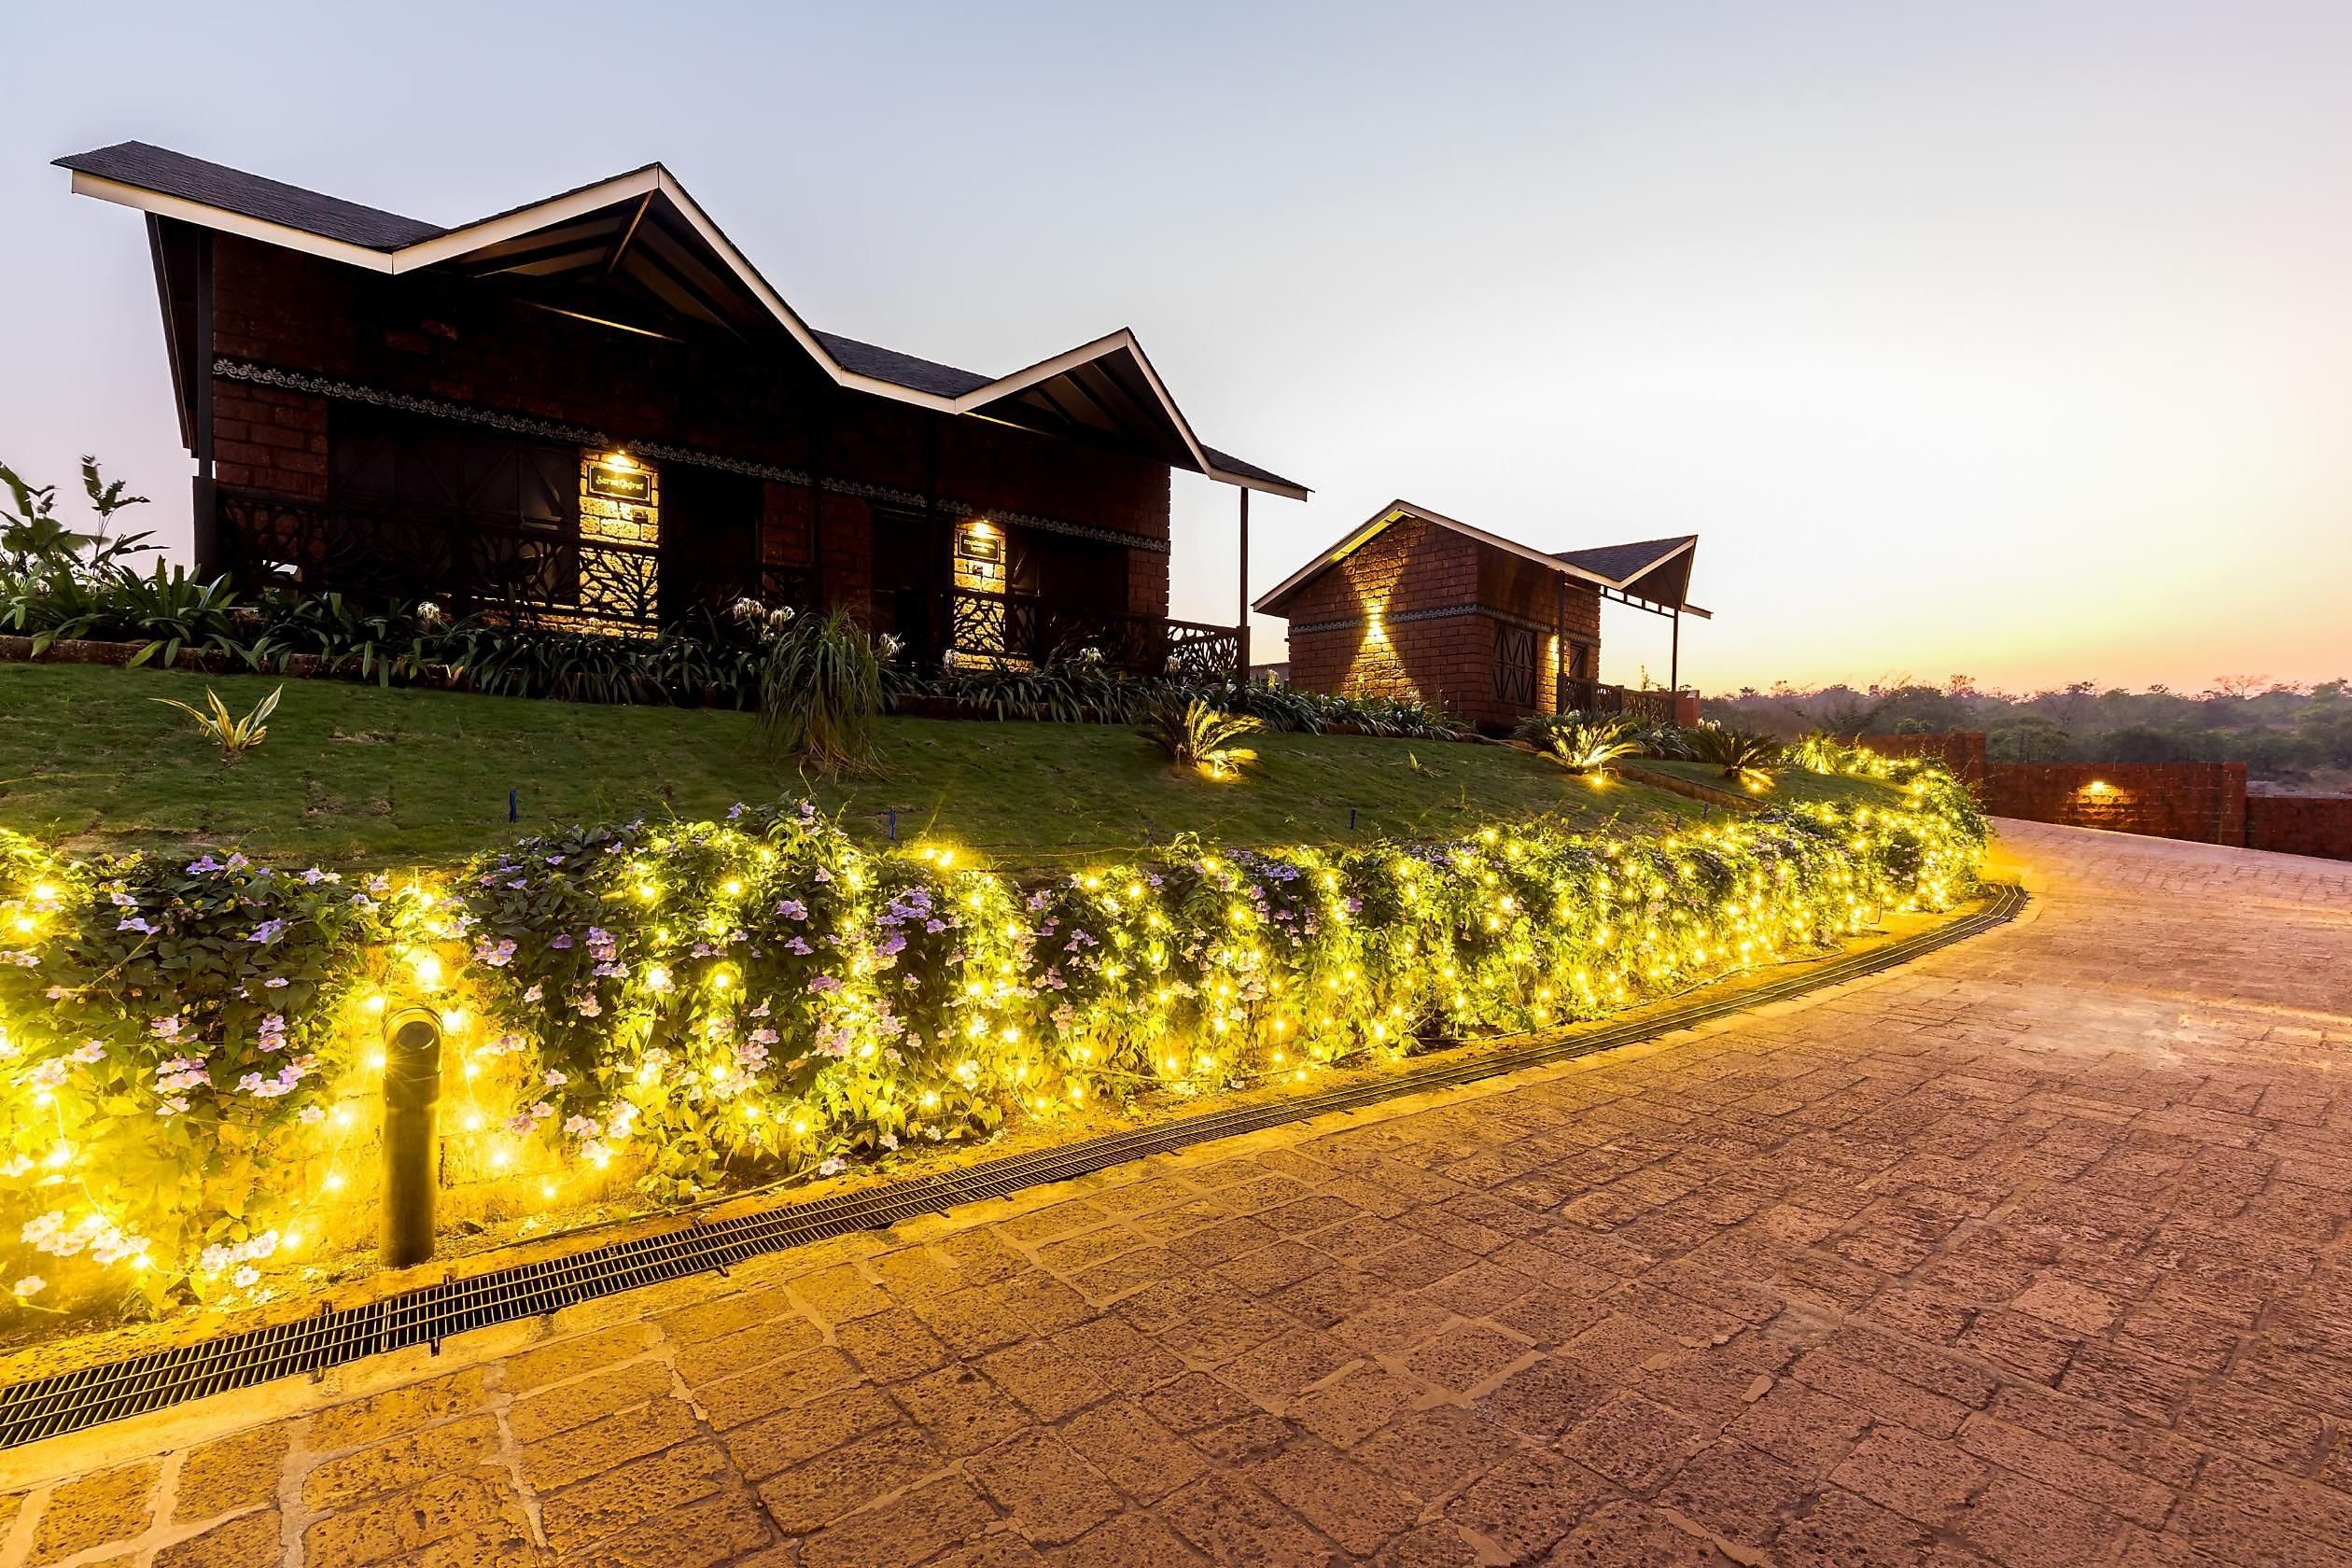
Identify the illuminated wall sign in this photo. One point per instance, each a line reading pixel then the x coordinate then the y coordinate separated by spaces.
pixel 612 481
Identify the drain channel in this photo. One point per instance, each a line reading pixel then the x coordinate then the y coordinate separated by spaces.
pixel 92 1396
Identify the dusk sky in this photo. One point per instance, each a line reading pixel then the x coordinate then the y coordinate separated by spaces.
pixel 2012 339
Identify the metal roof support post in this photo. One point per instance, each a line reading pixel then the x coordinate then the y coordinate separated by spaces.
pixel 1243 672
pixel 1673 657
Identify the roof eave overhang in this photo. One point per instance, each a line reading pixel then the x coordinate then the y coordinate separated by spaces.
pixel 1396 512
pixel 1124 341
pixel 205 216
pixel 654 179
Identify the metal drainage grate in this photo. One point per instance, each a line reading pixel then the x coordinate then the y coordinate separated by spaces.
pixel 51 1407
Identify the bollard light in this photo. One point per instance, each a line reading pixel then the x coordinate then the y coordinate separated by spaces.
pixel 411 1133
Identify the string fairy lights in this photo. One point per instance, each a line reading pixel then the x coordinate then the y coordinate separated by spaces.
pixel 190 1052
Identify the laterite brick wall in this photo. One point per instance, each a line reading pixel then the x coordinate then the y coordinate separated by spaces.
pixel 2200 801
pixel 2300 825
pixel 433 337
pixel 1381 649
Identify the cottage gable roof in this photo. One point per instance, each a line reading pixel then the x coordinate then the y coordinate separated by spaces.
pixel 642 228
pixel 1653 574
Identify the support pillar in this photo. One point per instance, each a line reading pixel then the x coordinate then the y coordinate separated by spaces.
pixel 1243 672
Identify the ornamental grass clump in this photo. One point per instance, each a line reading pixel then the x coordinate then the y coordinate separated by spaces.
pixel 821 691
pixel 191 1068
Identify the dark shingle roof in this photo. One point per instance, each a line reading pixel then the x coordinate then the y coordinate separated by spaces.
pixel 215 185
pixel 930 375
pixel 1622 562
pixel 1233 465
pixel 901 370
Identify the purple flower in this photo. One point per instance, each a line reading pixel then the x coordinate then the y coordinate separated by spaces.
pixel 561 941
pixel 823 984
pixel 268 930
pixel 797 946
pixel 497 954
pixel 792 909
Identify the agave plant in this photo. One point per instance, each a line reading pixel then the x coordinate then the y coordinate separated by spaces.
pixel 1743 755
pixel 1589 746
pixel 236 736
pixel 1198 736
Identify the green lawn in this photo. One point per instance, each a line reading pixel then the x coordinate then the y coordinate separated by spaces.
pixel 356 775
pixel 1788 784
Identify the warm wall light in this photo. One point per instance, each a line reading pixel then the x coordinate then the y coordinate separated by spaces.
pixel 2098 787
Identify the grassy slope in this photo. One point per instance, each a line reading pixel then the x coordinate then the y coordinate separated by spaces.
pixel 354 773
pixel 1788 784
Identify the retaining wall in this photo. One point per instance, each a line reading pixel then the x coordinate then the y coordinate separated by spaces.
pixel 2300 825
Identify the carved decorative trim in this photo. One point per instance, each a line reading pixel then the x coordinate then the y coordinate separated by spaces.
pixel 348 391
pixel 547 430
pixel 662 453
pixel 1055 525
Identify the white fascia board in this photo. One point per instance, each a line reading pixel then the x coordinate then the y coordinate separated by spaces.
pixel 1087 354
pixel 516 225
pixel 1355 538
pixel 563 209
pixel 1102 347
pixel 205 216
pixel 1263 486
pixel 1396 512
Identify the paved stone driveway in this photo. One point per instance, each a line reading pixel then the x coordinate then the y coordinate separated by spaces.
pixel 2031 1253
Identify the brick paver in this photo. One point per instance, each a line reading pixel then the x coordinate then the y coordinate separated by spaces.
pixel 2029 1252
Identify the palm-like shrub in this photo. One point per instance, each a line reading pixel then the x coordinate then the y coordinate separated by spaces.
pixel 1589 746
pixel 1197 736
pixel 1743 754
pixel 821 689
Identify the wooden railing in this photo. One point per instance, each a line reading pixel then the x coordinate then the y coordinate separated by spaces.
pixel 1592 696
pixel 1025 630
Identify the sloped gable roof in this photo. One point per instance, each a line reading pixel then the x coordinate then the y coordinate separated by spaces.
pixel 233 190
pixel 1623 563
pixel 1620 568
pixel 1104 389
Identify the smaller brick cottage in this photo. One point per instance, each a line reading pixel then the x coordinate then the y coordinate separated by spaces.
pixel 1413 604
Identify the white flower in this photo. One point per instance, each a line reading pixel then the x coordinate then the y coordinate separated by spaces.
pixel 29 1287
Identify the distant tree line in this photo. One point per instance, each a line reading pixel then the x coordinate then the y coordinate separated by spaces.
pixel 2294 736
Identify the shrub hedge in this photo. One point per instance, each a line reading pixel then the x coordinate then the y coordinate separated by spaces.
pixel 189 1067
